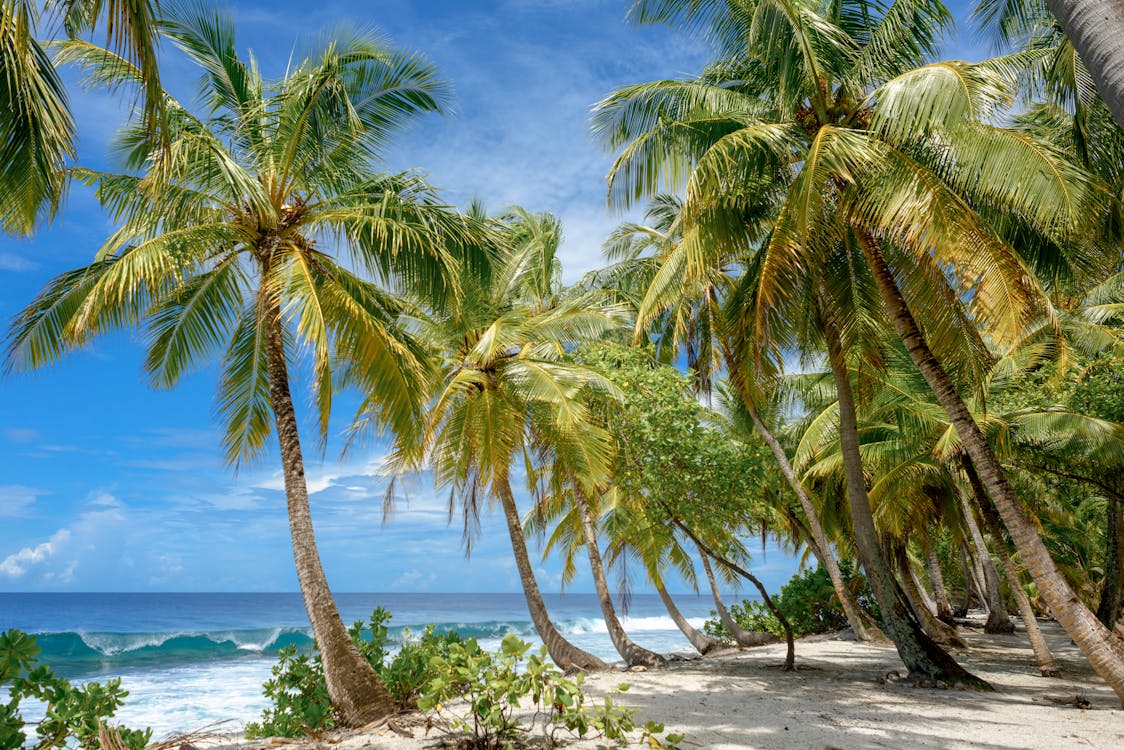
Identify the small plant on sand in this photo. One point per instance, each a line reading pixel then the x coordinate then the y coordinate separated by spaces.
pixel 499 701
pixel 299 696
pixel 72 713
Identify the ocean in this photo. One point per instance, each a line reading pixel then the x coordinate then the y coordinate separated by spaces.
pixel 189 660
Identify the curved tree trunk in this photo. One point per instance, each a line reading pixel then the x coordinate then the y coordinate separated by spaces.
pixel 790 654
pixel 864 626
pixel 742 636
pixel 633 654
pixel 940 593
pixel 1112 588
pixel 1103 649
pixel 1047 667
pixel 565 654
pixel 972 586
pixel 998 621
pixel 926 661
pixel 357 694
pixel 940 632
pixel 702 642
pixel 1096 29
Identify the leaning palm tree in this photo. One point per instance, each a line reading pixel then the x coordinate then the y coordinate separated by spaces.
pixel 226 251
pixel 504 393
pixel 37 130
pixel 883 158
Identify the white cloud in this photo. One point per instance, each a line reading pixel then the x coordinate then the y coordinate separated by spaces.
pixel 21 435
pixel 16 263
pixel 16 499
pixel 16 565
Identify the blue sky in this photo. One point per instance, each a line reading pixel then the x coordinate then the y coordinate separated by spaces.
pixel 107 484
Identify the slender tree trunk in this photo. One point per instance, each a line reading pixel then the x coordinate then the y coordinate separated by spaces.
pixel 357 694
pixel 864 627
pixel 925 598
pixel 1096 29
pixel 1103 649
pixel 565 654
pixel 940 593
pixel 1046 664
pixel 790 656
pixel 702 642
pixel 940 632
pixel 740 635
pixel 633 654
pixel 1112 588
pixel 998 621
pixel 926 661
pixel 971 582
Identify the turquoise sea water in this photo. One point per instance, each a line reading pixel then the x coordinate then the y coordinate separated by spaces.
pixel 192 659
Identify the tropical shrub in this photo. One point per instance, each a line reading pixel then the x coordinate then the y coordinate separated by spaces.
pixel 486 697
pixel 808 601
pixel 73 713
pixel 299 695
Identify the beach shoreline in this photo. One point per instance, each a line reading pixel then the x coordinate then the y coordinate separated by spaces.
pixel 843 694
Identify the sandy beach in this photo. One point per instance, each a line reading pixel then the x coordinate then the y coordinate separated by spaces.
pixel 839 697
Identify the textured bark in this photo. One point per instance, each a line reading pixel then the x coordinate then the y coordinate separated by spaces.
pixel 357 694
pixel 633 654
pixel 1047 667
pixel 742 636
pixel 702 642
pixel 1096 29
pixel 1103 650
pixel 940 632
pixel 998 621
pixel 1112 588
pixel 940 593
pixel 565 654
pixel 926 661
pixel 863 625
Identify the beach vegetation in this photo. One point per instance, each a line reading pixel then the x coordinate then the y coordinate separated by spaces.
pixel 517 696
pixel 299 701
pixel 71 714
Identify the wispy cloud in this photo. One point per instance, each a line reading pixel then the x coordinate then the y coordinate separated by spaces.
pixel 16 263
pixel 17 565
pixel 16 499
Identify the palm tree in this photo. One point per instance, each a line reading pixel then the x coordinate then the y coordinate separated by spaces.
pixel 881 157
pixel 1096 28
pixel 504 392
pixel 226 251
pixel 37 131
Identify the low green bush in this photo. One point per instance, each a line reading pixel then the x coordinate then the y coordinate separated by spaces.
pixel 808 601
pixel 72 714
pixel 499 701
pixel 299 695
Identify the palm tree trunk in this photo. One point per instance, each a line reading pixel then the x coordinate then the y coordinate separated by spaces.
pixel 1103 649
pixel 998 621
pixel 702 642
pixel 1112 588
pixel 740 635
pixel 1047 667
pixel 633 654
pixel 940 593
pixel 565 654
pixel 864 627
pixel 940 632
pixel 972 586
pixel 1096 29
pixel 357 694
pixel 927 662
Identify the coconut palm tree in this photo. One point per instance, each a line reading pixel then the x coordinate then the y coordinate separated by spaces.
pixel 504 392
pixel 1096 29
pixel 37 130
pixel 236 245
pixel 882 157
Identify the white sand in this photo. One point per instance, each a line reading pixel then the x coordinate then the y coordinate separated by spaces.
pixel 835 700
